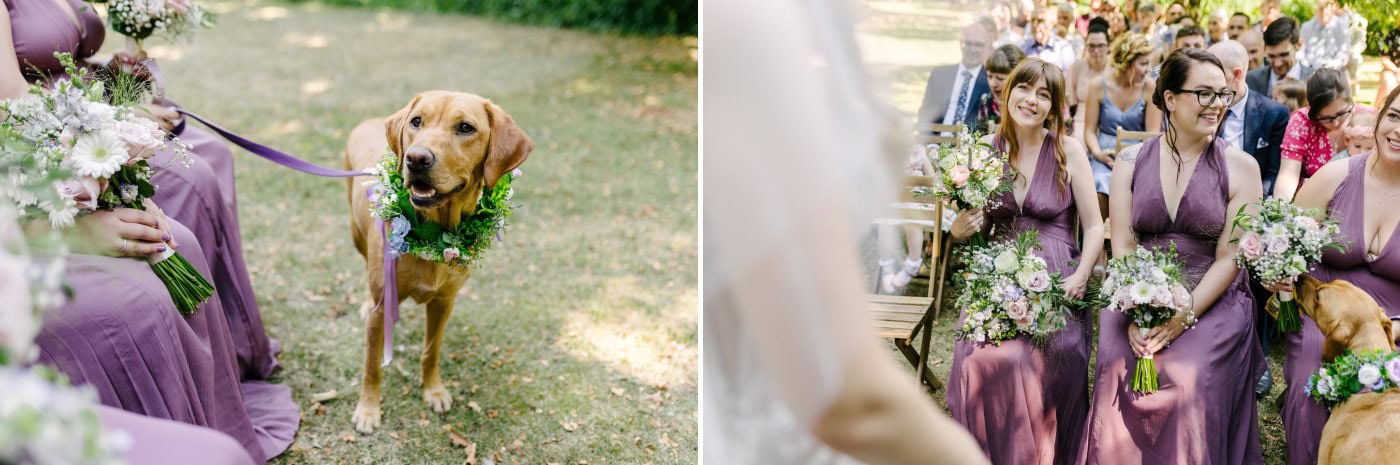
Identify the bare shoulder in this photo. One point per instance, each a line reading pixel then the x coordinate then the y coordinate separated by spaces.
pixel 1332 173
pixel 1240 161
pixel 1129 154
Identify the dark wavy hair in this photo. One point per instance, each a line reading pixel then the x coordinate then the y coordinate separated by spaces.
pixel 1284 29
pixel 1391 45
pixel 1175 69
pixel 1325 86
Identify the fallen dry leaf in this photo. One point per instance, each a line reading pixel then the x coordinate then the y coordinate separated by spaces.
pixel 569 426
pixel 617 391
pixel 324 396
pixel 459 440
pixel 347 437
pixel 474 406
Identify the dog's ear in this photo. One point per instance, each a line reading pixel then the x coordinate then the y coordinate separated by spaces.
pixel 1305 292
pixel 1388 326
pixel 394 126
pixel 509 145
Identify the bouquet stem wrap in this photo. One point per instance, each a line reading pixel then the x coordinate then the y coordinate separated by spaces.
pixel 187 287
pixel 1288 318
pixel 1145 374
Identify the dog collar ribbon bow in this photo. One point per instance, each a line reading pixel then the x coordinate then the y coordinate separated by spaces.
pixel 407 234
pixel 1355 373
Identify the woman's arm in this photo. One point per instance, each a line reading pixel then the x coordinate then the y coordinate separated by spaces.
pixel 1292 152
pixel 12 83
pixel 1081 185
pixel 1152 116
pixel 1120 202
pixel 1090 110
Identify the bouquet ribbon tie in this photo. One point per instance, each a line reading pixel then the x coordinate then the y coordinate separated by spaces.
pixel 390 300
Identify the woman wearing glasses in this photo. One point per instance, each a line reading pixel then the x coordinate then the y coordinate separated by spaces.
pixel 1359 192
pixel 1307 144
pixel 1182 188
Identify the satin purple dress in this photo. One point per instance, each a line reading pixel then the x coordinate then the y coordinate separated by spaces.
pixel 1026 404
pixel 1204 411
pixel 156 441
pixel 201 196
pixel 121 332
pixel 1303 417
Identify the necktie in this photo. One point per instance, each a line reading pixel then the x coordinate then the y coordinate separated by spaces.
pixel 962 97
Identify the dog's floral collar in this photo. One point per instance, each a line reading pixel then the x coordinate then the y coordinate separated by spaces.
pixel 410 235
pixel 1354 373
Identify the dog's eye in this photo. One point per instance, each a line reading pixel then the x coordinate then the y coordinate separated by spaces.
pixel 465 128
pixel 416 121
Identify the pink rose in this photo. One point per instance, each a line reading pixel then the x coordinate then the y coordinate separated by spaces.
pixel 450 254
pixel 83 191
pixel 959 174
pixel 1307 223
pixel 140 137
pixel 1124 298
pixel 977 164
pixel 1251 246
pixel 1018 309
pixel 1278 244
pixel 178 6
pixel 1038 281
pixel 1161 296
pixel 1025 322
pixel 1181 298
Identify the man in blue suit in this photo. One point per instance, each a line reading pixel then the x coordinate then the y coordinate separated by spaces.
pixel 953 90
pixel 1254 124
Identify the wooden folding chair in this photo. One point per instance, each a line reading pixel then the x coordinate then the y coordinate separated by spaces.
pixel 902 318
pixel 930 133
pixel 1126 138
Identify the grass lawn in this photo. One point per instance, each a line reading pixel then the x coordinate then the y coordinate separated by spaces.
pixel 901 41
pixel 575 341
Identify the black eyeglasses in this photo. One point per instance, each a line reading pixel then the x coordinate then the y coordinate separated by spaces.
pixel 1096 46
pixel 972 44
pixel 1339 115
pixel 1208 97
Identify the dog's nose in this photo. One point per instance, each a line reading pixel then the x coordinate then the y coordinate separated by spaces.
pixel 419 158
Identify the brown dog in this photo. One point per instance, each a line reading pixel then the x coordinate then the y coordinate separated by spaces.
pixel 1363 429
pixel 450 146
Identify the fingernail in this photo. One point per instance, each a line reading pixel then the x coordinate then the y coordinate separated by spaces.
pixel 166 237
pixel 160 248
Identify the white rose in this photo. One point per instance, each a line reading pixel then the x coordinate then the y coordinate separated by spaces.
pixel 139 134
pixel 991 183
pixel 1006 262
pixel 1368 374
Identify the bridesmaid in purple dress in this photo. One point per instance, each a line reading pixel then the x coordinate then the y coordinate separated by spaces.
pixel 1360 193
pixel 1025 404
pixel 1182 188
pixel 121 332
pixel 201 196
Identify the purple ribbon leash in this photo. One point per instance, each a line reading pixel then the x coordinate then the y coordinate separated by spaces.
pixel 274 155
pixel 391 294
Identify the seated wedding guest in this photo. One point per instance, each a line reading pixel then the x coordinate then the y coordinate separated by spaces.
pixel 1175 12
pixel 953 91
pixel 1326 38
pixel 1390 65
pixel 1117 100
pixel 1025 402
pixel 1253 43
pixel 1006 31
pixel 1182 188
pixel 1292 94
pixel 1094 64
pixel 1239 22
pixel 1064 27
pixel 1189 36
pixel 1254 124
pixel 1359 136
pixel 1217 26
pixel 1044 44
pixel 1307 145
pixel 1358 192
pixel 164 385
pixel 770 398
pixel 1269 11
pixel 999 66
pixel 1281 48
pixel 1117 23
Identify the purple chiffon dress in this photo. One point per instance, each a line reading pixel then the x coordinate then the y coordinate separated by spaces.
pixel 1204 411
pixel 1026 403
pixel 165 442
pixel 1303 417
pixel 121 332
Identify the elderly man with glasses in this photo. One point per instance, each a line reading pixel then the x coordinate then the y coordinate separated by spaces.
pixel 1044 44
pixel 953 90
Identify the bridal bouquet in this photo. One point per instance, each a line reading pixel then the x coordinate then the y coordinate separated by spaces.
pixel 140 19
pixel 1148 287
pixel 103 149
pixel 1278 245
pixel 1007 291
pixel 969 173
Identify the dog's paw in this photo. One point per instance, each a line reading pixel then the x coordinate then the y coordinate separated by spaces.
pixel 366 417
pixel 438 398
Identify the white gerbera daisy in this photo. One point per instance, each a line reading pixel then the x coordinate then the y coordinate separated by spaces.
pixel 98 154
pixel 61 216
pixel 1141 293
